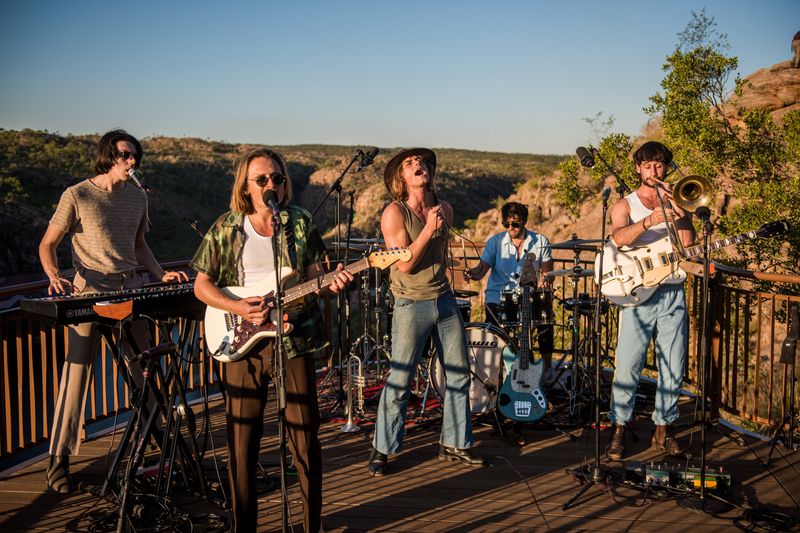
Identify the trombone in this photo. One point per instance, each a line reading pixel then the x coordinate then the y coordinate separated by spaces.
pixel 689 193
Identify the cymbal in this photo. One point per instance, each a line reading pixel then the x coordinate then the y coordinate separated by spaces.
pixel 590 245
pixel 459 293
pixel 354 247
pixel 365 240
pixel 569 272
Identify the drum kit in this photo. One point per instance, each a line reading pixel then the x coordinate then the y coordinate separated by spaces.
pixel 491 347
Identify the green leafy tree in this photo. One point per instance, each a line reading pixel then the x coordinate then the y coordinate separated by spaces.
pixel 749 158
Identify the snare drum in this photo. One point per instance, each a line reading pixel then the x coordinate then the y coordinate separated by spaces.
pixel 541 306
pixel 487 345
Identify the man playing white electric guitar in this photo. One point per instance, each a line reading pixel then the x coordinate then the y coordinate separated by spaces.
pixel 238 251
pixel 638 219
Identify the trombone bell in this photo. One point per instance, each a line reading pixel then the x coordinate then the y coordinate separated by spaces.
pixel 691 192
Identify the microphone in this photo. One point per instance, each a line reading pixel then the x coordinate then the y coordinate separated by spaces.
pixel 606 193
pixel 366 159
pixel 703 213
pixel 155 352
pixel 137 179
pixel 429 197
pixel 586 157
pixel 673 166
pixel 271 200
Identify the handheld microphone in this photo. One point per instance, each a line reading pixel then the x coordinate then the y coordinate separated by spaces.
pixel 606 193
pixel 429 197
pixel 366 159
pixel 271 200
pixel 586 157
pixel 134 175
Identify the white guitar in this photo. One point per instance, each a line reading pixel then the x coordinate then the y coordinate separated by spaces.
pixel 229 337
pixel 632 275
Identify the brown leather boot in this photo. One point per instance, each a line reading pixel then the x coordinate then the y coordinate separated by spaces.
pixel 617 445
pixel 663 441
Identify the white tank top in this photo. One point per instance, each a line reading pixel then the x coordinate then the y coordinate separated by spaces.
pixel 654 233
pixel 638 212
pixel 257 255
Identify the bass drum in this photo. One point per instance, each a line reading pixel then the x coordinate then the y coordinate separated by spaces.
pixel 487 346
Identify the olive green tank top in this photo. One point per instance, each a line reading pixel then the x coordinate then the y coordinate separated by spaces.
pixel 428 279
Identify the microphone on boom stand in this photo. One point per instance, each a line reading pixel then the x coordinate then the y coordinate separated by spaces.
pixel 586 157
pixel 365 159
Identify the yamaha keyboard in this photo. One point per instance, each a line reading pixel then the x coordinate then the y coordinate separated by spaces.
pixel 156 301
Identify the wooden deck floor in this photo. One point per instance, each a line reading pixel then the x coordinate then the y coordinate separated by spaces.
pixel 523 489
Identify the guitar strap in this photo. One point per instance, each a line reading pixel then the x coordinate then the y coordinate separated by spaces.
pixel 288 233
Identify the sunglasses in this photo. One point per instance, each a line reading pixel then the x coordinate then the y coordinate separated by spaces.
pixel 276 177
pixel 514 225
pixel 125 155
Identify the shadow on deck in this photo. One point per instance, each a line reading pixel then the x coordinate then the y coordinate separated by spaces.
pixel 524 488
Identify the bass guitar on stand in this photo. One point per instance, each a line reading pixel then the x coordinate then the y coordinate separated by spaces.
pixel 521 397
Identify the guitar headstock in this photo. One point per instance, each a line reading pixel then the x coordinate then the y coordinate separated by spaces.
pixel 386 258
pixel 773 229
pixel 530 270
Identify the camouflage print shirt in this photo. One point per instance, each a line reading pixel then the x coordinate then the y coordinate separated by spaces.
pixel 220 258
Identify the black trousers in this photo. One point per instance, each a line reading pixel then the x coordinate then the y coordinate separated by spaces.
pixel 246 384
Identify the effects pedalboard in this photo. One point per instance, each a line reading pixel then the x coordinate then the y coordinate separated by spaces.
pixel 664 475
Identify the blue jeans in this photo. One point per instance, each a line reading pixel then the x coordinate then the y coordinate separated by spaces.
pixel 664 318
pixel 413 322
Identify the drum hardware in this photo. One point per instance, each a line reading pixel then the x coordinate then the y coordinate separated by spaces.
pixel 354 380
pixel 367 345
pixel 541 303
pixel 579 381
pixel 575 244
pixel 577 272
pixel 585 304
pixel 461 293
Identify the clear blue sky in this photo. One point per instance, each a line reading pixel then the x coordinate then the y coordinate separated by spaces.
pixel 511 76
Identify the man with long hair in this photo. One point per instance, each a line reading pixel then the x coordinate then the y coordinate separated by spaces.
pixel 238 251
pixel 106 219
pixel 424 307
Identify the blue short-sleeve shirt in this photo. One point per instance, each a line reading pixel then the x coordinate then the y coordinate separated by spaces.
pixel 501 255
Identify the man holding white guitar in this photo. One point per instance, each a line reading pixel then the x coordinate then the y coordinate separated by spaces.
pixel 234 263
pixel 638 219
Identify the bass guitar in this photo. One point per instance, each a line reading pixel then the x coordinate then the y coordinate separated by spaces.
pixel 521 397
pixel 229 337
pixel 632 274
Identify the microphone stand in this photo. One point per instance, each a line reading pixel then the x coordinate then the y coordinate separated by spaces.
pixel 598 472
pixel 693 502
pixel 621 187
pixel 279 374
pixel 340 302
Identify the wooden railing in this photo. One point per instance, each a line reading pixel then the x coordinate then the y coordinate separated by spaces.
pixel 746 377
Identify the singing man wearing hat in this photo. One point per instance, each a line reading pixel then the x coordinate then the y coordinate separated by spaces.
pixel 424 307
